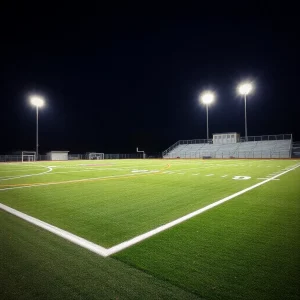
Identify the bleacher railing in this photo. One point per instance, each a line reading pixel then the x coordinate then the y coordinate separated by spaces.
pixel 274 137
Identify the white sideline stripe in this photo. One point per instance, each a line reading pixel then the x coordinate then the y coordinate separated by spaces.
pixel 60 232
pixel 159 229
pixel 209 175
pixel 30 175
pixel 117 248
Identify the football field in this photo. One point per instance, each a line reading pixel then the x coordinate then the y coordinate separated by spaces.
pixel 150 229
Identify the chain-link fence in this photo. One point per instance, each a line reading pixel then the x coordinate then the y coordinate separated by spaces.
pixel 18 158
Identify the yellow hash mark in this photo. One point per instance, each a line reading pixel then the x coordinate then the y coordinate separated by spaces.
pixel 82 180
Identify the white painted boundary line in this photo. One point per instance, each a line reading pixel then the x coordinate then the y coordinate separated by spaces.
pixel 117 248
pixel 60 232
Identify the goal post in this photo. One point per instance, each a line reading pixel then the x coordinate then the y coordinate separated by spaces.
pixel 94 155
pixel 28 156
pixel 140 151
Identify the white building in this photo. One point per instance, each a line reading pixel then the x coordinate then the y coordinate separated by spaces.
pixel 57 155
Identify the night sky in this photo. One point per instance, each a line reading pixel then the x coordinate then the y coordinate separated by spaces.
pixel 115 79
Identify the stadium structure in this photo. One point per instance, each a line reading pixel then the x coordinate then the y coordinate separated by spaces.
pixel 230 145
pixel 222 145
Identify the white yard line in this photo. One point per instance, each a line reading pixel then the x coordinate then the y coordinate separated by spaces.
pixel 86 170
pixel 63 172
pixel 71 181
pixel 117 248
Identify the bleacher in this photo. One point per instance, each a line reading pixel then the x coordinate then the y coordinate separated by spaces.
pixel 274 147
pixel 227 150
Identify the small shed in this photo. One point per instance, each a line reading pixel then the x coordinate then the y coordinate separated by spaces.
pixel 57 155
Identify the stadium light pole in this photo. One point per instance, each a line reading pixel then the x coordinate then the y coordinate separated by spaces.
pixel 207 98
pixel 37 101
pixel 245 89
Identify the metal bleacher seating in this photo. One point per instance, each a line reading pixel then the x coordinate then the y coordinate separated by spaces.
pixel 277 148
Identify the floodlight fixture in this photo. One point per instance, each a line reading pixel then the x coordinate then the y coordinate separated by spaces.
pixel 37 101
pixel 207 97
pixel 245 88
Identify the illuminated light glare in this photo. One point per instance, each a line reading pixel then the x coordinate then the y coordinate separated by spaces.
pixel 207 97
pixel 245 88
pixel 37 101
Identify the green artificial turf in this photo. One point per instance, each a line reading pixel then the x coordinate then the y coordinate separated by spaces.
pixel 35 264
pixel 246 248
pixel 113 210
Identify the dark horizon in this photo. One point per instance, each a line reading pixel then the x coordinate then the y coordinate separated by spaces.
pixel 117 81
